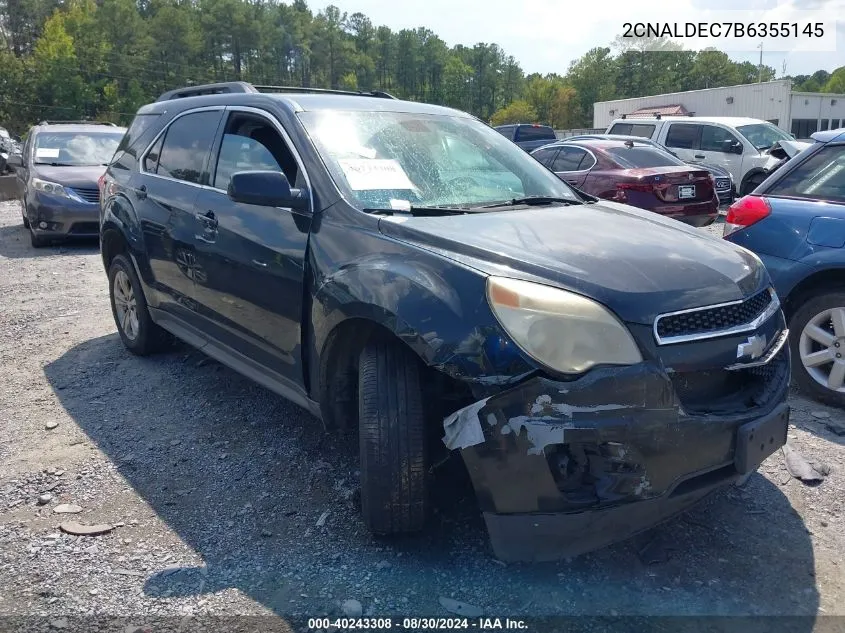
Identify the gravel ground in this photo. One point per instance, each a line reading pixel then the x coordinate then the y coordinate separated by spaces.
pixel 227 500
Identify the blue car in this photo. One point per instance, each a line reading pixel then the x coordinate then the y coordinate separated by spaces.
pixel 795 222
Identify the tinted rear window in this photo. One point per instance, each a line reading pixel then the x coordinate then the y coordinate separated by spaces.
pixel 640 157
pixel 530 133
pixel 643 130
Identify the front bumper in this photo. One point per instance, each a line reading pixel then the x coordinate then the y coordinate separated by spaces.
pixel 64 217
pixel 563 468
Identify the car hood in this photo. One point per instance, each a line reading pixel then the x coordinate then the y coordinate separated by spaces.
pixel 82 177
pixel 635 262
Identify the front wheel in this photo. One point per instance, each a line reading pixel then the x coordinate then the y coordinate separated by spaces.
pixel 139 333
pixel 751 183
pixel 817 341
pixel 391 432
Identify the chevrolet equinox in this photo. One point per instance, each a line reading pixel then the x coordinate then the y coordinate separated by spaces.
pixel 404 270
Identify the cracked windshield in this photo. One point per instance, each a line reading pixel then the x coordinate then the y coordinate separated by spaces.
pixel 395 160
pixel 74 149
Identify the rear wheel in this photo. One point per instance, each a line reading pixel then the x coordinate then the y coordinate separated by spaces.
pixel 23 214
pixel 817 339
pixel 136 328
pixel 391 431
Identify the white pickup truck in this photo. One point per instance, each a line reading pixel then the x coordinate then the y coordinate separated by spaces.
pixel 741 145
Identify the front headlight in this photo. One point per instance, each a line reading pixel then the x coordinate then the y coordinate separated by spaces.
pixel 46 186
pixel 561 330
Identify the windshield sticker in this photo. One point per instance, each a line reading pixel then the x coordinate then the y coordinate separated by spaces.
pixel 46 152
pixel 365 174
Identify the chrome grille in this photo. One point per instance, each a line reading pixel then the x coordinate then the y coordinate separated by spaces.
pixel 714 320
pixel 723 183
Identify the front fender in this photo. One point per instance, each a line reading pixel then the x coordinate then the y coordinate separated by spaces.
pixel 119 215
pixel 438 308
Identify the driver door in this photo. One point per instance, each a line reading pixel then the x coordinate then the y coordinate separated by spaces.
pixel 717 146
pixel 252 257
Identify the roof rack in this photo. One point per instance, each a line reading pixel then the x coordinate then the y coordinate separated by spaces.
pixel 242 87
pixel 80 122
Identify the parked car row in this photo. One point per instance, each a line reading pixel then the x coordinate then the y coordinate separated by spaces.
pixel 743 146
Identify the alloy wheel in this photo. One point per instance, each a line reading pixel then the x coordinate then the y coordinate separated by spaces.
pixel 125 305
pixel 822 348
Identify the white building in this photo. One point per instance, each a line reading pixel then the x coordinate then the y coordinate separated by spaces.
pixel 800 113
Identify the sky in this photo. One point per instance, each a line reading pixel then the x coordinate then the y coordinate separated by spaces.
pixel 546 35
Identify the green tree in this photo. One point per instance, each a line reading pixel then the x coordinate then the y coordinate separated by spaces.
pixel 836 82
pixel 515 112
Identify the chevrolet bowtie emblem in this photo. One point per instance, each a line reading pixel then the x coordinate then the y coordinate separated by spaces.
pixel 753 348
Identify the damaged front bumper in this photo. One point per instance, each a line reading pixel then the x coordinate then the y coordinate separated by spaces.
pixel 557 475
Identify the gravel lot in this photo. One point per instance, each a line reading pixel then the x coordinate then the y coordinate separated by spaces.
pixel 227 500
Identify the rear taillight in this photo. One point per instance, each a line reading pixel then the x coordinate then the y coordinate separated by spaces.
pixel 744 212
pixel 636 186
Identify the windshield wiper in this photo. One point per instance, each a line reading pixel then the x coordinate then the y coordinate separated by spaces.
pixel 532 201
pixel 56 164
pixel 421 211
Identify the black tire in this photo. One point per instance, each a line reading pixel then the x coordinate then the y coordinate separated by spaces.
pixel 150 338
pixel 809 308
pixel 23 215
pixel 391 432
pixel 751 183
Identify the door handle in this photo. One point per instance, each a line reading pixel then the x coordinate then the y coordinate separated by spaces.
pixel 141 192
pixel 259 263
pixel 700 156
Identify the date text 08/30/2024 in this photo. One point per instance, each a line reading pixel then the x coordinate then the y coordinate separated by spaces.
pixel 416 624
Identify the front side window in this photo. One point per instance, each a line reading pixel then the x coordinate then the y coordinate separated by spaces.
pixel 820 177
pixel 186 146
pixel 716 139
pixel 75 149
pixel 251 143
pixel 763 135
pixel 380 158
pixel 682 136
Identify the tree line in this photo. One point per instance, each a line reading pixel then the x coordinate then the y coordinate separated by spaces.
pixel 102 59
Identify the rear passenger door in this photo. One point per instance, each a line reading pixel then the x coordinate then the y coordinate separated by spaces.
pixel 572 164
pixel 173 171
pixel 683 139
pixel 253 256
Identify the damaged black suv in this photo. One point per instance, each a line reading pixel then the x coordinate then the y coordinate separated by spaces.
pixel 404 269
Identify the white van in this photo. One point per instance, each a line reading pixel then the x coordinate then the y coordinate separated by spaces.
pixel 740 145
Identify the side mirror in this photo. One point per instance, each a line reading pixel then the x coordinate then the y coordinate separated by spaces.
pixel 736 148
pixel 265 188
pixel 15 160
